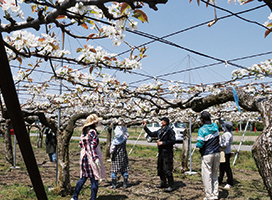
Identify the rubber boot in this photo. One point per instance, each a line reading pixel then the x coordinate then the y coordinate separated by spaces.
pixel 163 182
pixel 125 183
pixel 170 184
pixel 113 183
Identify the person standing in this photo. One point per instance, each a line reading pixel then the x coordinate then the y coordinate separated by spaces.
pixel 51 144
pixel 226 141
pixel 165 142
pixel 91 160
pixel 208 143
pixel 119 157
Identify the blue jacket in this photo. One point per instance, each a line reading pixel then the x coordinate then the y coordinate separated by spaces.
pixel 208 139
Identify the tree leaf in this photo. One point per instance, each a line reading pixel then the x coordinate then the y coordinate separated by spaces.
pixel 107 58
pixel 79 50
pixel 90 22
pixel 55 47
pixel 212 22
pixel 61 17
pixel 139 14
pixel 33 7
pixel 41 39
pixel 207 4
pixel 84 25
pixel 19 59
pixel 91 69
pixel 124 6
pixel 246 2
pixel 269 25
pixel 267 32
pixel 92 50
pixel 90 36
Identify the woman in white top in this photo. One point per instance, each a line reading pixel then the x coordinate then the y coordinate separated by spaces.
pixel 226 141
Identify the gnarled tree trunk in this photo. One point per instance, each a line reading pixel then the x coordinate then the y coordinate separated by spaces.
pixel 185 150
pixel 262 154
pixel 107 153
pixel 262 148
pixel 8 144
pixel 63 178
pixel 63 140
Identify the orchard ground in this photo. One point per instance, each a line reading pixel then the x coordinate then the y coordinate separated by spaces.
pixel 16 184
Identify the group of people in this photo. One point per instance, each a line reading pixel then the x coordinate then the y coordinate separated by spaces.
pixel 91 159
pixel 208 142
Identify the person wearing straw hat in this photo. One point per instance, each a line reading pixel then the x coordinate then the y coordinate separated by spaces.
pixel 91 159
pixel 166 140
pixel 208 144
pixel 119 157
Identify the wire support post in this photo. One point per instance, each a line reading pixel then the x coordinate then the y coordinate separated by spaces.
pixel 239 147
pixel 136 142
pixel 190 172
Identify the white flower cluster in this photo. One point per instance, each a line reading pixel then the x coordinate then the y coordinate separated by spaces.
pixel 80 8
pixel 258 70
pixel 106 85
pixel 175 88
pixel 10 7
pixel 20 75
pixel 23 40
pixel 93 55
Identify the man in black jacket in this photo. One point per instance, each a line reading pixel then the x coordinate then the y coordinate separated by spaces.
pixel 165 142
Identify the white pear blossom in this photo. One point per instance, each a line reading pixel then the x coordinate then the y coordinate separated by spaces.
pixel 133 25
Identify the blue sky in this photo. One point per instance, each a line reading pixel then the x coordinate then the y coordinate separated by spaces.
pixel 228 39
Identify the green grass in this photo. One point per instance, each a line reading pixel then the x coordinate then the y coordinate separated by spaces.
pixel 142 151
pixel 243 143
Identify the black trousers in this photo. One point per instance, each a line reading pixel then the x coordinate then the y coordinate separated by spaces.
pixel 165 167
pixel 225 167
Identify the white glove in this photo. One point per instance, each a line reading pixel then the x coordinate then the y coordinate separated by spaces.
pixel 97 162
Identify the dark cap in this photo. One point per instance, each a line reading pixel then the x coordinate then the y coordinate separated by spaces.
pixel 165 119
pixel 227 126
pixel 206 116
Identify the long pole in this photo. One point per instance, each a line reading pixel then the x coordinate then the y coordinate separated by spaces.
pixel 14 147
pixel 112 126
pixel 15 113
pixel 190 124
pixel 136 142
pixel 190 120
pixel 240 144
pixel 59 113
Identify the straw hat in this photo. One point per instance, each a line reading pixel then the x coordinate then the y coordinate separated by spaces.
pixel 92 119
